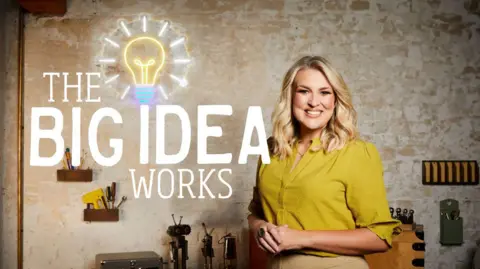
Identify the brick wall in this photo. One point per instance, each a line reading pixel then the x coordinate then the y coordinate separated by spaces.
pixel 413 67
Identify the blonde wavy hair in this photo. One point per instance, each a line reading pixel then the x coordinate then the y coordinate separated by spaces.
pixel 340 129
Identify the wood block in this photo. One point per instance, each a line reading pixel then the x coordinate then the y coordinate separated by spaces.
pixel 100 215
pixel 46 7
pixel 74 175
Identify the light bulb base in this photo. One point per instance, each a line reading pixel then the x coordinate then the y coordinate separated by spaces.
pixel 144 93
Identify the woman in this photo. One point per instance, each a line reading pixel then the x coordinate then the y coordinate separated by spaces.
pixel 321 201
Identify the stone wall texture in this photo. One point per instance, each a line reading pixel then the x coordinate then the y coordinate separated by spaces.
pixel 413 67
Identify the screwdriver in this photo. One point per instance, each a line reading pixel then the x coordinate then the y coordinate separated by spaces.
pixel 109 194
pixel 104 202
pixel 113 192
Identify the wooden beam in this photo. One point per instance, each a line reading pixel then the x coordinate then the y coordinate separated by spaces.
pixel 45 7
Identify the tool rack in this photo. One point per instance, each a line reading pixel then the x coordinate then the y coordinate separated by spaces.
pixel 407 252
pixel 80 175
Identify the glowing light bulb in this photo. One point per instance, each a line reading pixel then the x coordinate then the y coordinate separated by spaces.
pixel 144 57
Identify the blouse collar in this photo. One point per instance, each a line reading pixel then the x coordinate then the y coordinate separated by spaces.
pixel 315 143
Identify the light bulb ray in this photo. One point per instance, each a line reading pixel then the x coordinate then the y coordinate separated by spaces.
pixel 162 91
pixel 113 43
pixel 125 29
pixel 181 82
pixel 144 26
pixel 125 92
pixel 176 42
pixel 112 79
pixel 107 60
pixel 164 27
pixel 181 61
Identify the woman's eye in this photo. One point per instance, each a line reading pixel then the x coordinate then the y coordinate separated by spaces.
pixel 302 91
pixel 325 92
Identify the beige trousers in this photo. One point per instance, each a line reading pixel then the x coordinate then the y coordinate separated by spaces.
pixel 299 261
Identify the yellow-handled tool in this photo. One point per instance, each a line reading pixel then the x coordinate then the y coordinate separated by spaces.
pixel 93 197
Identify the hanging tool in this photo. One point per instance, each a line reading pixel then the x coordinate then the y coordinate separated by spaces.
pixel 410 218
pixel 399 212
pixel 229 251
pixel 207 249
pixel 405 216
pixel 179 243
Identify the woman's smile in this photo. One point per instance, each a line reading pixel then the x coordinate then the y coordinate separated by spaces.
pixel 313 113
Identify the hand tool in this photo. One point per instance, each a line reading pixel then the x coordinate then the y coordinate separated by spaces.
pixel 93 197
pixel 410 219
pixel 446 215
pixel 109 195
pixel 104 202
pixel 124 198
pixel 113 190
pixel 405 216
pixel 207 249
pixel 65 166
pixel 398 211
pixel 455 215
pixel 179 243
pixel 67 156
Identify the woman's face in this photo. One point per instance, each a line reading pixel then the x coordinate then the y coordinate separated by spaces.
pixel 313 101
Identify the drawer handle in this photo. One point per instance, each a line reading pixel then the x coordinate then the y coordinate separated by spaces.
pixel 418 262
pixel 418 246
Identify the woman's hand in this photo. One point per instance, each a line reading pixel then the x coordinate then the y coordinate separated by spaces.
pixel 289 238
pixel 267 237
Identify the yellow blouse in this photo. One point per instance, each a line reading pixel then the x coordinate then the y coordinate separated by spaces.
pixel 340 190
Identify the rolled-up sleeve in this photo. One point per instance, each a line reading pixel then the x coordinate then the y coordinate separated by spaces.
pixel 366 194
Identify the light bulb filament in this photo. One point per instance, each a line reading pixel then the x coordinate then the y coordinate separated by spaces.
pixel 144 68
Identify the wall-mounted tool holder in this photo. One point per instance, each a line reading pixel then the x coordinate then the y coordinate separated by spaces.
pixel 450 172
pixel 451 223
pixel 405 216
pixel 90 214
pixel 101 207
pixel 66 175
pixel 408 250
